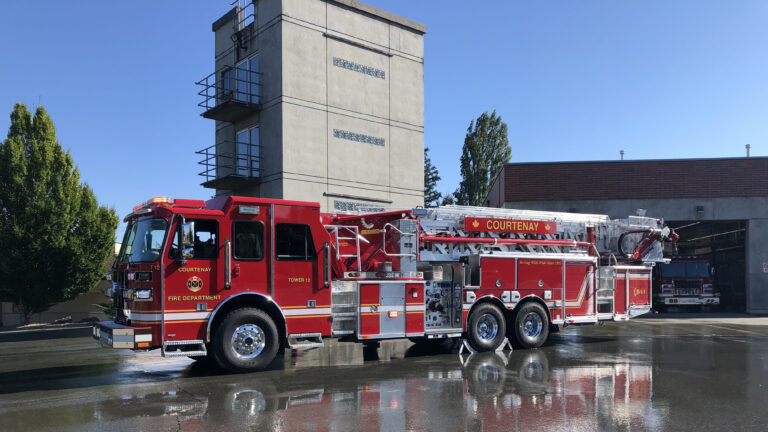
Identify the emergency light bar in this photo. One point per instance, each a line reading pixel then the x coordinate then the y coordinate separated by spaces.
pixel 156 200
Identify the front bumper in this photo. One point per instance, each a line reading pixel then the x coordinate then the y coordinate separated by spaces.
pixel 113 335
pixel 692 301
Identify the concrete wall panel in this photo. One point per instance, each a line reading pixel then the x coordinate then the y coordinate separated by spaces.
pixel 407 91
pixel 406 159
pixel 304 63
pixel 355 161
pixel 270 62
pixel 358 25
pixel 304 140
pixel 310 11
pixel 301 190
pixel 406 41
pixel 357 91
pixel 268 10
pixel 270 139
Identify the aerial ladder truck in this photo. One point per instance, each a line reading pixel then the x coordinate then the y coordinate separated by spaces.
pixel 238 278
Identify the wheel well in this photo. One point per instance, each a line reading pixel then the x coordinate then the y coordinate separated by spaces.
pixel 255 301
pixel 530 299
pixel 494 301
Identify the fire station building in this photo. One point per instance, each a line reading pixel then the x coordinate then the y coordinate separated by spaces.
pixel 718 206
pixel 316 100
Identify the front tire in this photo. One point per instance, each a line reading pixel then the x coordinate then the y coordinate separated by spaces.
pixel 486 328
pixel 531 328
pixel 246 341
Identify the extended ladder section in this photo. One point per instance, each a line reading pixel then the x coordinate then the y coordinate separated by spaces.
pixel 450 232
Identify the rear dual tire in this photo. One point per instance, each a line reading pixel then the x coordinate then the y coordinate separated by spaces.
pixel 531 326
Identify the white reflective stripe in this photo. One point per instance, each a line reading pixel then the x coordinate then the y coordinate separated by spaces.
pixel 307 311
pixel 143 338
pixel 178 316
pixel 145 316
pixel 186 316
pixel 584 319
pixel 408 308
pixel 467 306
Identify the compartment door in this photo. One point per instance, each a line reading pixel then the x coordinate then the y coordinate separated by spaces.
pixel 639 291
pixel 621 286
pixel 392 310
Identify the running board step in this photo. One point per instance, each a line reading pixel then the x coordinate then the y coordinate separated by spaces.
pixel 302 341
pixel 184 348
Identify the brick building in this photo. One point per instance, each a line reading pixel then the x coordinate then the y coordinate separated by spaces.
pixel 719 205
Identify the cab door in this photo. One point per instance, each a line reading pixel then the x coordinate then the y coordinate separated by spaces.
pixel 298 278
pixel 250 251
pixel 191 290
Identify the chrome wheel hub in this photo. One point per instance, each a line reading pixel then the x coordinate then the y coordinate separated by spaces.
pixel 532 325
pixel 487 327
pixel 248 341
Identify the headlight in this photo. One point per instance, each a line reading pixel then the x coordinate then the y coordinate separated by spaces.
pixel 143 294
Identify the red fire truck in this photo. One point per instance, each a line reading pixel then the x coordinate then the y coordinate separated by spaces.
pixel 685 281
pixel 237 278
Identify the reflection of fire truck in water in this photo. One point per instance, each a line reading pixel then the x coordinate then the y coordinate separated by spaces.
pixel 685 281
pixel 237 278
pixel 488 392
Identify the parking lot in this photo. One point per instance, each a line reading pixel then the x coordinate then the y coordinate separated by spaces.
pixel 659 373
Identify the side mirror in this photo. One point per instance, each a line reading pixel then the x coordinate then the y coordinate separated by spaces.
pixel 187 240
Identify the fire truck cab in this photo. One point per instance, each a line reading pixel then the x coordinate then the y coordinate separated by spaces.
pixel 238 278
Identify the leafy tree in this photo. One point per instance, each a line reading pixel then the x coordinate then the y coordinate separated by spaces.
pixel 448 200
pixel 485 151
pixel 431 177
pixel 54 237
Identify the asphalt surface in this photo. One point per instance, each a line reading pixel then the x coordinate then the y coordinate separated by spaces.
pixel 708 373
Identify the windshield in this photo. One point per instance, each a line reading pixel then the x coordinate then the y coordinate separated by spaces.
pixel 685 269
pixel 144 240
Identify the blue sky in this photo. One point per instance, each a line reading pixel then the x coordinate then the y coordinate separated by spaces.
pixel 574 80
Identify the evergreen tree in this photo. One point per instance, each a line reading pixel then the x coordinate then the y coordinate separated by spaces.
pixel 448 200
pixel 54 237
pixel 431 177
pixel 485 151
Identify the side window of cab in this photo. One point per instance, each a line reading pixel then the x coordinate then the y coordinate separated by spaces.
pixel 205 243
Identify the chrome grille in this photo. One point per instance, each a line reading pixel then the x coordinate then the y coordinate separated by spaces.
pixel 688 287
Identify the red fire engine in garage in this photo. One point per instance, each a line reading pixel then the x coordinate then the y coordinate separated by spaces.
pixel 237 278
pixel 685 281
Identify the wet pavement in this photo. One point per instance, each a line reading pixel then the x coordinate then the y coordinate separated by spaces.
pixel 708 373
